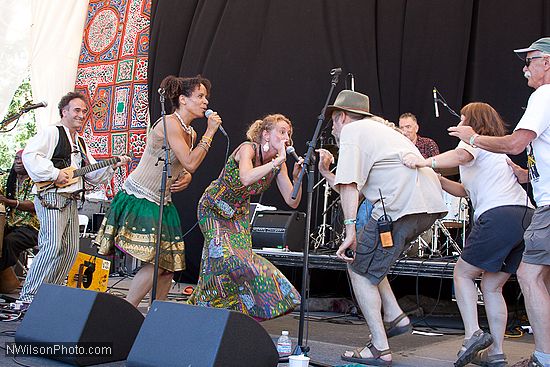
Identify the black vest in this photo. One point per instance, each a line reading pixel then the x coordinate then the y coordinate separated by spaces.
pixel 61 157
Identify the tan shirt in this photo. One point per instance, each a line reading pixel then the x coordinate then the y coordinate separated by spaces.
pixel 371 156
pixel 144 182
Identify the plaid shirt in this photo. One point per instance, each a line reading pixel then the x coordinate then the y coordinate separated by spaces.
pixel 428 148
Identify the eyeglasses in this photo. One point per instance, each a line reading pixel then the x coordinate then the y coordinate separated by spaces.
pixel 529 59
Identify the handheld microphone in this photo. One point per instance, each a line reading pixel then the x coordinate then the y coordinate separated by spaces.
pixel 290 150
pixel 435 103
pixel 27 108
pixel 161 91
pixel 207 113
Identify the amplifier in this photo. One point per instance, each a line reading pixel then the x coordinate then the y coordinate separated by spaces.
pixel 279 229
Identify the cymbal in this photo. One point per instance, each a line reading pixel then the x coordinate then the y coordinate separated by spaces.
pixel 448 171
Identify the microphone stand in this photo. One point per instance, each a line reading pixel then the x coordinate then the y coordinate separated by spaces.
pixel 10 119
pixel 307 165
pixel 164 179
pixel 444 103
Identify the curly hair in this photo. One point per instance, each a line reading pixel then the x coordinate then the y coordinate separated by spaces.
pixel 67 98
pixel 175 87
pixel 268 123
pixel 387 123
pixel 484 119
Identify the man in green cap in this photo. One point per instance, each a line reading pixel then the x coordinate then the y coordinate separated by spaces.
pixel 532 133
pixel 406 203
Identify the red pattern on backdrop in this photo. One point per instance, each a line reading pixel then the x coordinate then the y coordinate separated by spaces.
pixel 112 73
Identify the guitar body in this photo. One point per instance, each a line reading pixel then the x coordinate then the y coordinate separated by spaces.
pixel 74 174
pixel 44 185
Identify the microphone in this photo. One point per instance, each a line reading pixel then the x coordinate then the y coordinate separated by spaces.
pixel 351 82
pixel 207 113
pixel 336 71
pixel 27 108
pixel 290 150
pixel 161 91
pixel 435 103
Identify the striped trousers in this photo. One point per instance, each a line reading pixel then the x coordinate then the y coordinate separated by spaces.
pixel 58 243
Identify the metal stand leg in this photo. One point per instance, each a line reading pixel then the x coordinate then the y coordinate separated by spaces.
pixel 439 226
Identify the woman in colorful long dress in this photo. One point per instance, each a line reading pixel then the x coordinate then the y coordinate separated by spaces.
pixel 131 223
pixel 232 276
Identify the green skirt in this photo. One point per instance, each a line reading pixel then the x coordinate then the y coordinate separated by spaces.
pixel 131 225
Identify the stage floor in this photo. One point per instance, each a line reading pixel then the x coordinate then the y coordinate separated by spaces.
pixel 327 334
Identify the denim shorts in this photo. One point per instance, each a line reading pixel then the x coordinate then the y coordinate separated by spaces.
pixel 374 261
pixel 495 242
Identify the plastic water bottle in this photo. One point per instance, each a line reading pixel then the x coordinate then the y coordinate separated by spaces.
pixel 284 345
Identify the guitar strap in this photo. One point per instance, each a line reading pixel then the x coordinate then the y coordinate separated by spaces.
pixel 83 163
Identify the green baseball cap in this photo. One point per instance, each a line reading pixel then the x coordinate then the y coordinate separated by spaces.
pixel 542 45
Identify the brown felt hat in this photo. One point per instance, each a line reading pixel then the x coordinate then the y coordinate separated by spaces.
pixel 351 101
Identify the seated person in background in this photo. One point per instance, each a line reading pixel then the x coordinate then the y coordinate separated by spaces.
pixel 21 227
pixel 409 126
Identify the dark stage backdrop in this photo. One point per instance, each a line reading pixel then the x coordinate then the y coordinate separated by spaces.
pixel 267 56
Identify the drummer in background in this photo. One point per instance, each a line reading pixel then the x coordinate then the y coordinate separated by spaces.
pixel 494 247
pixel 409 126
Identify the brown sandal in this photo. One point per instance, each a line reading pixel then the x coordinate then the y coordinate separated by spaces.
pixel 375 360
pixel 393 330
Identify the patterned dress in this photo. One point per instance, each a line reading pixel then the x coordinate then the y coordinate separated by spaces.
pixel 232 276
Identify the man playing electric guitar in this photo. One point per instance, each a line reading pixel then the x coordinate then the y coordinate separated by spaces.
pixel 45 157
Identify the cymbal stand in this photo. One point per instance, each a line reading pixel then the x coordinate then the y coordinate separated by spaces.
pixel 319 238
pixel 422 246
pixel 439 226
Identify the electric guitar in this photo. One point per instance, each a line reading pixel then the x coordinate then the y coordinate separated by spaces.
pixel 75 173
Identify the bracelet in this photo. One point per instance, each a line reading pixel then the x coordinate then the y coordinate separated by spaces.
pixel 203 141
pixel 275 168
pixel 472 140
pixel 207 139
pixel 204 146
pixel 17 204
pixel 433 163
pixel 350 221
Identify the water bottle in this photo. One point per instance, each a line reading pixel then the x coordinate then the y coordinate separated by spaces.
pixel 284 345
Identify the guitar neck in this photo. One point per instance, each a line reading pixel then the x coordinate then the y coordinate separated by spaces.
pixel 93 167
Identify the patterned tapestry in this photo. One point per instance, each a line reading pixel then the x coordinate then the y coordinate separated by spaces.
pixel 112 73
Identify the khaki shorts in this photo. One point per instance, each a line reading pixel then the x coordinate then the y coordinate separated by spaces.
pixel 537 238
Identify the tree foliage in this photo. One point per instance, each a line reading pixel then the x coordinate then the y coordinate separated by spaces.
pixel 15 135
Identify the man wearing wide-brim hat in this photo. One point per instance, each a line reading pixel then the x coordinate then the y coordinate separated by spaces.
pixel 370 163
pixel 532 133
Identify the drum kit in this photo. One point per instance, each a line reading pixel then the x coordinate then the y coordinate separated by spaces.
pixel 438 240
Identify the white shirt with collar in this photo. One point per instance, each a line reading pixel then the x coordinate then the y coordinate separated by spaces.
pixel 37 160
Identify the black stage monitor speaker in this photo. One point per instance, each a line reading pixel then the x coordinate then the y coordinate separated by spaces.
pixel 279 229
pixel 182 335
pixel 69 315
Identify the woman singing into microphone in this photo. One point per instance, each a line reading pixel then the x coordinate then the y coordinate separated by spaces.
pixel 231 275
pixel 132 220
